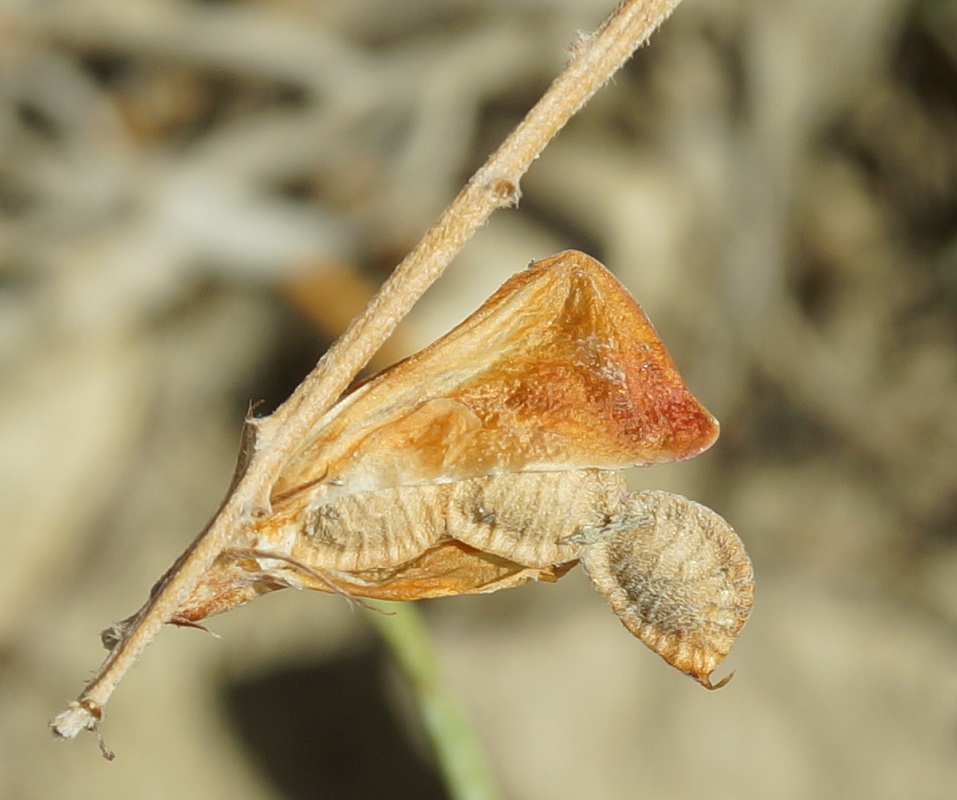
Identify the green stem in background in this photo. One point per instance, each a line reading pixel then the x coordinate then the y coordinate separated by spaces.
pixel 456 746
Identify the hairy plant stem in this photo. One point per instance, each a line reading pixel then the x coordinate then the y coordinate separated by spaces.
pixel 594 59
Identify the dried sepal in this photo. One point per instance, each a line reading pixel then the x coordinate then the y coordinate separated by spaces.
pixel 678 578
pixel 445 569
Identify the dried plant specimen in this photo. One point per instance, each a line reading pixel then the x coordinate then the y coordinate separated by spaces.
pixel 225 566
pixel 491 458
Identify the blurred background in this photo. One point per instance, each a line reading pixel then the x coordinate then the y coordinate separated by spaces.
pixel 195 198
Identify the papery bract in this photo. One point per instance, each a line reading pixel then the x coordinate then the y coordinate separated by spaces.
pixel 492 457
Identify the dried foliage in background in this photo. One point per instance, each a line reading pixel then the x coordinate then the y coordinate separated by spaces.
pixel 195 196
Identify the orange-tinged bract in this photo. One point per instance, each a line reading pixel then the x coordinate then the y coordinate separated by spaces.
pixel 492 457
pixel 559 369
